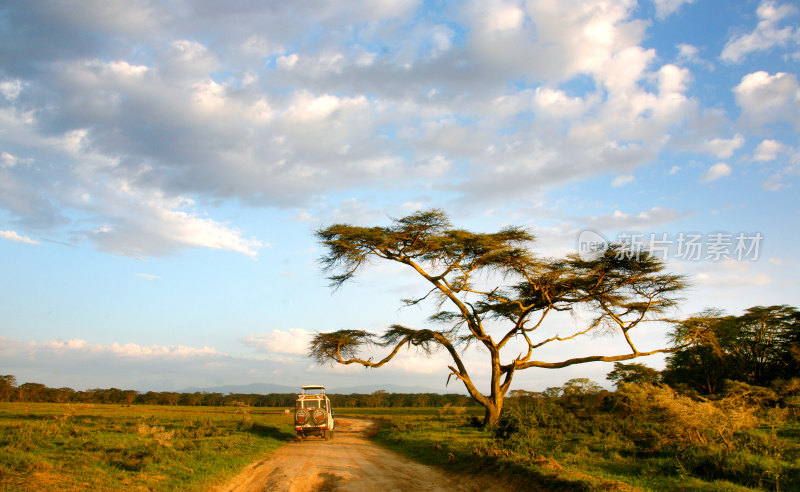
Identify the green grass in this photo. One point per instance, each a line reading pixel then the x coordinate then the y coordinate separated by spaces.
pixel 51 446
pixel 406 411
pixel 588 460
pixel 457 447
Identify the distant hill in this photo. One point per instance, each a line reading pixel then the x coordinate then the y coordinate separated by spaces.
pixel 253 388
pixel 389 388
pixel 267 388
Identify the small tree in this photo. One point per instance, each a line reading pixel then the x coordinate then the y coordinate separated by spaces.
pixel 633 373
pixel 581 386
pixel 621 290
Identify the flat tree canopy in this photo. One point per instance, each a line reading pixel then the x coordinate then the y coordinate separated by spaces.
pixel 622 290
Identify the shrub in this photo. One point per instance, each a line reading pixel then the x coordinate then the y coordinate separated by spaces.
pixel 754 395
pixel 448 410
pixel 686 421
pixel 510 423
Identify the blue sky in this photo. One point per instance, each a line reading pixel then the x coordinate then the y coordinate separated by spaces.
pixel 164 165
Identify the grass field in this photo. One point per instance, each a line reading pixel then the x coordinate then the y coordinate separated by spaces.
pixel 49 447
pixel 52 447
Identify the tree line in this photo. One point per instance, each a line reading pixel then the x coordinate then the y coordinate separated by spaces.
pixel 39 393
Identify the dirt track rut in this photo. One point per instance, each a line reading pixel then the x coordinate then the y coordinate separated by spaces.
pixel 350 462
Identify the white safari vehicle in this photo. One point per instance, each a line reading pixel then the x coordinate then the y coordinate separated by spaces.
pixel 313 415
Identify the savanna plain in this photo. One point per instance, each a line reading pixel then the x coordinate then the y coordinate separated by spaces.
pixel 640 437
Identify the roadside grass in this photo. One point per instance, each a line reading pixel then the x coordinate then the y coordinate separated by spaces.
pixel 458 447
pixel 410 411
pixel 594 456
pixel 50 446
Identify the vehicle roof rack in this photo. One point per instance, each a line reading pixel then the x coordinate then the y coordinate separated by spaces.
pixel 313 387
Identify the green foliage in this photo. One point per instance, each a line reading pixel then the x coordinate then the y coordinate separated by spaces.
pixel 685 421
pixel 760 346
pixel 633 373
pixel 7 386
pixel 580 386
pixel 425 236
pixel 735 438
pixel 541 445
pixel 339 344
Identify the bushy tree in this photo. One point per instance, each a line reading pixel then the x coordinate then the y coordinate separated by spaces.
pixel 620 289
pixel 8 385
pixel 581 386
pixel 756 348
pixel 634 373
pixel 761 344
pixel 32 392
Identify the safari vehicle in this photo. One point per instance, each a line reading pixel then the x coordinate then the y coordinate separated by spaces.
pixel 313 415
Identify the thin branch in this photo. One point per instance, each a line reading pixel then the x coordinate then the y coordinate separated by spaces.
pixel 560 339
pixel 519 327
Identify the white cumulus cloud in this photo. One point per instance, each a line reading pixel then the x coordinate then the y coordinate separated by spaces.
pixel 766 98
pixel 723 148
pixel 293 341
pixel 766 35
pixel 768 150
pixel 715 172
pixel 127 350
pixel 150 224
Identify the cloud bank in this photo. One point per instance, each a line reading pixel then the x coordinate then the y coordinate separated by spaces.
pixel 132 134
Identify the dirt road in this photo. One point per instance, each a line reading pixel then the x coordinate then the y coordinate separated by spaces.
pixel 350 462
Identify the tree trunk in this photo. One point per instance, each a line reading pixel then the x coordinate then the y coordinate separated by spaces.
pixel 494 405
pixel 492 414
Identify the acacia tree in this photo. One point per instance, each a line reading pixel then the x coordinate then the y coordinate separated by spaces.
pixel 633 373
pixel 620 289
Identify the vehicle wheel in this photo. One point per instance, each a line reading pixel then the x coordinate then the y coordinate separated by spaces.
pixel 299 437
pixel 318 416
pixel 330 433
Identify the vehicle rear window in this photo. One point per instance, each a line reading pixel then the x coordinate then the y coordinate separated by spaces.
pixel 311 404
